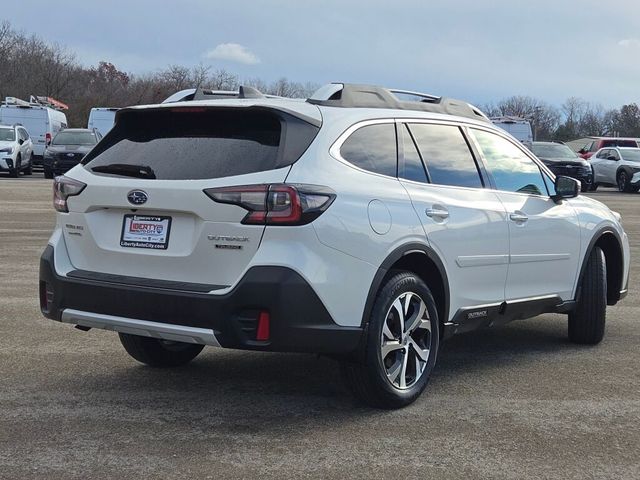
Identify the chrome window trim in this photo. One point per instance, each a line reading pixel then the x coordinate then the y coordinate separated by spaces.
pixel 334 150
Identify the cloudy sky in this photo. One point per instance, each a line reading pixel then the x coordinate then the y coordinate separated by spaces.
pixel 477 50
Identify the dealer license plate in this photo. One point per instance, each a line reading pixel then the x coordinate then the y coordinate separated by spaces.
pixel 145 231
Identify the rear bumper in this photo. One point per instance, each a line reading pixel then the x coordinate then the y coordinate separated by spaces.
pixel 299 322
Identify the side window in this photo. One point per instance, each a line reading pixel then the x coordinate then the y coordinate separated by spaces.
pixel 373 148
pixel 615 155
pixel 412 167
pixel 602 154
pixel 512 170
pixel 446 155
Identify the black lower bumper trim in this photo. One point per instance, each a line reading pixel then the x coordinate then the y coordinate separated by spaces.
pixel 299 321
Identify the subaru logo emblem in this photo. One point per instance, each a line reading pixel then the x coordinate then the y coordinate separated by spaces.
pixel 137 197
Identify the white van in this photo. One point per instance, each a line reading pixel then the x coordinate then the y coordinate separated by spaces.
pixel 102 119
pixel 516 126
pixel 41 122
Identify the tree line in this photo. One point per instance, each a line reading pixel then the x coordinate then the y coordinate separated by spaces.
pixel 575 118
pixel 31 66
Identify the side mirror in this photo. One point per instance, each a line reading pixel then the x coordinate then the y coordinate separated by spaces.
pixel 582 151
pixel 611 157
pixel 566 187
pixel 20 141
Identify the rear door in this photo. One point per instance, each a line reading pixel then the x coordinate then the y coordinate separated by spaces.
pixel 544 235
pixel 464 222
pixel 162 225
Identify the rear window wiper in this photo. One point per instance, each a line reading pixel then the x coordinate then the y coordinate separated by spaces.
pixel 126 170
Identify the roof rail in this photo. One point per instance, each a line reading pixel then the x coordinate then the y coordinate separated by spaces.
pixel 36 101
pixel 200 93
pixel 350 95
pixel 15 101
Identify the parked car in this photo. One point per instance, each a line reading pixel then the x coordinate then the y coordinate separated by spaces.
pixel 101 119
pixel 592 144
pixel 617 167
pixel 41 122
pixel 519 128
pixel 352 224
pixel 561 160
pixel 67 149
pixel 16 150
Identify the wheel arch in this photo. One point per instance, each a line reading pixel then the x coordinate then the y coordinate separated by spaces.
pixel 624 168
pixel 608 239
pixel 424 262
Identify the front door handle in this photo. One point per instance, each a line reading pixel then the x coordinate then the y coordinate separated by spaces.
pixel 437 211
pixel 518 217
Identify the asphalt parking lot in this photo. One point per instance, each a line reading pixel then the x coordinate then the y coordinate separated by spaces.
pixel 510 403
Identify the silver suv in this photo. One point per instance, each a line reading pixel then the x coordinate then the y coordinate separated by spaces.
pixel 16 150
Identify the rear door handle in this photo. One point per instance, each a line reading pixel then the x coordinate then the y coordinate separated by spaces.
pixel 518 217
pixel 437 211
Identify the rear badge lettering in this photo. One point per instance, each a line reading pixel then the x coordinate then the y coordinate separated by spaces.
pixel 74 229
pixel 478 314
pixel 225 238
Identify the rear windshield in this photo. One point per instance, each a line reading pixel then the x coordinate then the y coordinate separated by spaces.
pixel 619 143
pixel 7 135
pixel 188 143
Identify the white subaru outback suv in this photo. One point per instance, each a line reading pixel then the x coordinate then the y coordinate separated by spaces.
pixel 354 224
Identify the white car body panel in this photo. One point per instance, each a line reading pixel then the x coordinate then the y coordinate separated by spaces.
pixel 544 249
pixel 487 258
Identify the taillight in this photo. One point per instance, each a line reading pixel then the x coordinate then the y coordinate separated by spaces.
pixel 277 203
pixel 47 138
pixel 63 188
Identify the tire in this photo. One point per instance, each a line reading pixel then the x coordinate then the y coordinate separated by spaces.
pixel 29 169
pixel 622 180
pixel 587 321
pixel 159 353
pixel 397 378
pixel 48 173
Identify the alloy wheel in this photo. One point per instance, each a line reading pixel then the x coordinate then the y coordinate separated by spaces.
pixel 405 343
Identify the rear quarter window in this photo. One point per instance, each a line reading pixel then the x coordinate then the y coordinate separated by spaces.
pixel 372 148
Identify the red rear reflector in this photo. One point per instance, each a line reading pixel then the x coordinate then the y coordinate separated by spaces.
pixel 263 332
